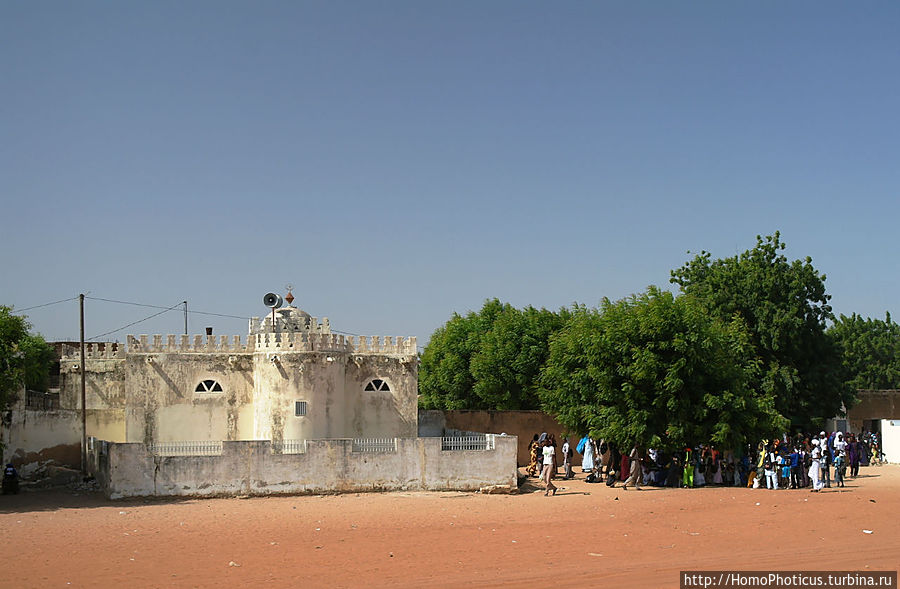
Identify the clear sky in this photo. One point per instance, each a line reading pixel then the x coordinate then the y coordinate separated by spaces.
pixel 398 161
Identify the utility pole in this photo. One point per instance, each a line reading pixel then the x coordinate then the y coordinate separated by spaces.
pixel 185 318
pixel 83 394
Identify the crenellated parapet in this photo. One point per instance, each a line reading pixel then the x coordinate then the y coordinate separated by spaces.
pixel 312 342
pixel 263 342
pixel 289 319
pixel 385 345
pixel 93 351
pixel 197 344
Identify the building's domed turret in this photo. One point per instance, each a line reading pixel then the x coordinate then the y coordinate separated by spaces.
pixel 289 319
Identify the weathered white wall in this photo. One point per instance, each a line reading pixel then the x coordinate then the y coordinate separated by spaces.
pixel 149 394
pixel 377 413
pixel 42 436
pixel 251 468
pixel 890 439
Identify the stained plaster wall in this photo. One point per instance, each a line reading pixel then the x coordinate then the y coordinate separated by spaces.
pixel 333 386
pixel 380 413
pixel 163 405
pixel 33 437
pixel 251 468
pixel 151 397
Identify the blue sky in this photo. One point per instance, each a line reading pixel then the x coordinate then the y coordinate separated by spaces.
pixel 399 161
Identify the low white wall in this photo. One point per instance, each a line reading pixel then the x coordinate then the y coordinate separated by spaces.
pixel 36 437
pixel 328 466
pixel 890 439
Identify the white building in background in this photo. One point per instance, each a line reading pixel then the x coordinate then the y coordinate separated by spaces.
pixel 291 407
pixel 290 378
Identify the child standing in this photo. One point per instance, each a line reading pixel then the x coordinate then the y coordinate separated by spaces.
pixel 840 468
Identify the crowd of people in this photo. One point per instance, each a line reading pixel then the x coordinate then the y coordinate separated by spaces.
pixel 802 461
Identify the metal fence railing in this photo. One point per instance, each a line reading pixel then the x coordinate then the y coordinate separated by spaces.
pixel 39 401
pixel 187 448
pixel 374 445
pixel 455 443
pixel 289 447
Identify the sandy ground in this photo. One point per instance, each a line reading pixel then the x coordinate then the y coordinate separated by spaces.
pixel 586 535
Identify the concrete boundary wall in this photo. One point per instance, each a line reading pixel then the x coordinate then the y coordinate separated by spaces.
pixel 522 424
pixel 33 438
pixel 327 466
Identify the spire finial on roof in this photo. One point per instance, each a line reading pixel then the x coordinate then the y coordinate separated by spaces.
pixel 290 297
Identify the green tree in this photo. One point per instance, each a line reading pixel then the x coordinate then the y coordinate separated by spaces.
pixel 507 364
pixel 785 308
pixel 24 358
pixel 657 370
pixel 871 351
pixel 487 360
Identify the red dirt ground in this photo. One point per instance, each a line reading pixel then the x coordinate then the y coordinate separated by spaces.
pixel 586 535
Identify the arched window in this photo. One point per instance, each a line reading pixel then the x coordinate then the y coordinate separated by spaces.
pixel 378 385
pixel 208 386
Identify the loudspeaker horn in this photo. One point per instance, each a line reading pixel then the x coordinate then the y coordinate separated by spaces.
pixel 272 300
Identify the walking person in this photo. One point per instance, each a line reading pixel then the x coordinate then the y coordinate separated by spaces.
pixel 853 451
pixel 634 477
pixel 567 459
pixel 534 458
pixel 549 454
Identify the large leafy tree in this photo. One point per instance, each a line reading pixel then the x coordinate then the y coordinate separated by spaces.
pixel 487 360
pixel 657 370
pixel 24 358
pixel 871 351
pixel 785 308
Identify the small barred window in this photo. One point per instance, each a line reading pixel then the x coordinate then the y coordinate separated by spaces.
pixel 299 408
pixel 378 385
pixel 208 386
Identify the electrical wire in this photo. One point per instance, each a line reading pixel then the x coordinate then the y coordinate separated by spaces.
pixel 129 303
pixel 135 322
pixel 190 311
pixel 46 305
pixel 164 310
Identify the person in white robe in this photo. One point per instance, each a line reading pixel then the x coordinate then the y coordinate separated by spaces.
pixel 815 472
pixel 587 462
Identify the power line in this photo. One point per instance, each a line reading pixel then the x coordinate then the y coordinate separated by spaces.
pixel 190 311
pixel 136 322
pixel 346 333
pixel 46 305
pixel 164 310
pixel 127 303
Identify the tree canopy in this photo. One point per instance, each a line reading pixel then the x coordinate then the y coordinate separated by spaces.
pixel 658 370
pixel 742 351
pixel 487 360
pixel 24 358
pixel 785 308
pixel 871 351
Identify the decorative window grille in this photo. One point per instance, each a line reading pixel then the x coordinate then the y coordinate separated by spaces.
pixel 187 448
pixel 458 443
pixel 289 447
pixel 378 385
pixel 300 408
pixel 374 445
pixel 208 386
